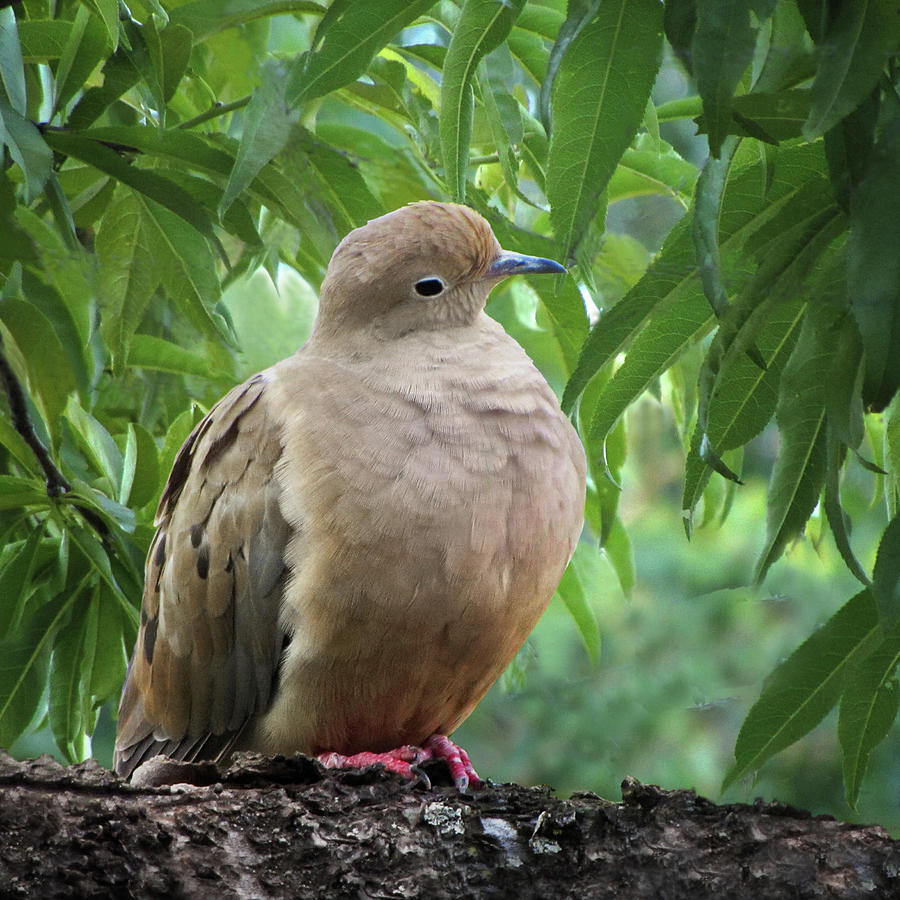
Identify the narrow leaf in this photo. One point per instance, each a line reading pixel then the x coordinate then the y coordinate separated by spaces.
pixel 266 125
pixel 129 273
pixel 886 575
pixel 482 25
pixel 799 472
pixel 599 97
pixel 24 659
pixel 862 37
pixel 873 268
pixel 868 708
pixel 27 148
pixel 804 688
pixel 346 42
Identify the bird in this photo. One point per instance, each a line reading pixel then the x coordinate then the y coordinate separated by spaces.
pixel 354 543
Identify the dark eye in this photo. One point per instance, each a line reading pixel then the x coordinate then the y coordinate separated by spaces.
pixel 429 287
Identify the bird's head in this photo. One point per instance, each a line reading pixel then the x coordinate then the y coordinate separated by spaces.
pixel 424 266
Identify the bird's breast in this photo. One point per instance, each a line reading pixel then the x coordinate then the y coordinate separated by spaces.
pixel 435 510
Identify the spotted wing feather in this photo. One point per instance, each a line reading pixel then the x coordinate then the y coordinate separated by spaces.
pixel 209 643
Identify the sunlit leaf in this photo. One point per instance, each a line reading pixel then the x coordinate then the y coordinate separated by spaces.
pixel 346 42
pixel 482 25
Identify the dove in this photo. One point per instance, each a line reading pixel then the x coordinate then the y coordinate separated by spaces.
pixel 354 543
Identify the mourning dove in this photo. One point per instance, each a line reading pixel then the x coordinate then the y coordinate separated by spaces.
pixel 353 544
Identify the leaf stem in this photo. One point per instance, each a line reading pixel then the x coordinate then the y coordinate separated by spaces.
pixel 217 109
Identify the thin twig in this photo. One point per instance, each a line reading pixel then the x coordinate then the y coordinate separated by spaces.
pixel 217 109
pixel 57 483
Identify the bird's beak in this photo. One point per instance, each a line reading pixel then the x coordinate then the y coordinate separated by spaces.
pixel 508 263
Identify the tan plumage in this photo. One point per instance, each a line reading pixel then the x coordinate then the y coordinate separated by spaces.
pixel 354 543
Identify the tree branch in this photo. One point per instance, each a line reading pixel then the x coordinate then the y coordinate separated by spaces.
pixel 56 482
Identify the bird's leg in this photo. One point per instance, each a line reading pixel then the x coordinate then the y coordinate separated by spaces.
pixel 404 761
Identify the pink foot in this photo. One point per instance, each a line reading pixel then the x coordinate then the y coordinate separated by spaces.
pixel 404 761
pixel 401 760
pixel 438 746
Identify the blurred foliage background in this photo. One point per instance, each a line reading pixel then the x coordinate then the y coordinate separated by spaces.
pixel 719 175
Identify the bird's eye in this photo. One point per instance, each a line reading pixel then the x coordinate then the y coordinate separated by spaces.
pixel 429 287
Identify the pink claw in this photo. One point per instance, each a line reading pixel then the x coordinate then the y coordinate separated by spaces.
pixel 404 761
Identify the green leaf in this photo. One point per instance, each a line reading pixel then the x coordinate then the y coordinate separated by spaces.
pixel 503 113
pixel 266 126
pixel 869 706
pixel 679 22
pixel 100 449
pixel 145 483
pixel 110 659
pixel 672 273
pixel 16 584
pixel 345 43
pixel 59 312
pixel 158 354
pixel 177 434
pixel 886 576
pixel 70 667
pixel 96 556
pixel 599 97
pixel 873 268
pixel 721 50
pixel 27 148
pixel 617 548
pixel 107 11
pixel 744 396
pixel 50 379
pixel 482 26
pixel 860 40
pixel 151 184
pixel 119 75
pixel 43 39
pixel 707 209
pixel 769 117
pixel 129 273
pixel 12 67
pixel 334 186
pixel 170 52
pixel 799 472
pixel 838 521
pixel 802 690
pixel 24 661
pixel 572 594
pixel 87 46
pixel 17 492
pixel 647 172
pixel 208 17
pixel 668 334
pixel 185 265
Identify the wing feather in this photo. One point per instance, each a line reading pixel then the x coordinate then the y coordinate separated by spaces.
pixel 209 643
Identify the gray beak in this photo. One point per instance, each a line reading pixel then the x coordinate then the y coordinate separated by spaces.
pixel 508 263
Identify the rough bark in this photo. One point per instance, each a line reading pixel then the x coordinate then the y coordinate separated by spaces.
pixel 287 828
